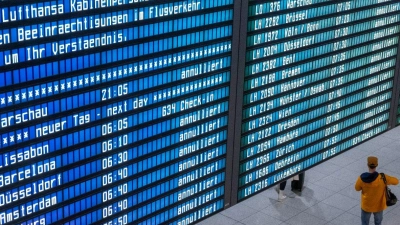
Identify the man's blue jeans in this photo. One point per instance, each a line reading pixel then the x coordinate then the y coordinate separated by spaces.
pixel 378 216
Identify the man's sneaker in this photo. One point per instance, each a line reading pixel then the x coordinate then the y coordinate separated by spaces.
pixel 291 195
pixel 281 196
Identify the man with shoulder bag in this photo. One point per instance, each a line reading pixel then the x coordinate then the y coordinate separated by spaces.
pixel 373 192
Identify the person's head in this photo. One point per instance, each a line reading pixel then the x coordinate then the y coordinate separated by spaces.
pixel 372 162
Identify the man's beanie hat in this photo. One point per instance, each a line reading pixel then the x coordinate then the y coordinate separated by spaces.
pixel 372 161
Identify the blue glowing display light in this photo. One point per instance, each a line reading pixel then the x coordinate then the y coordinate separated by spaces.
pixel 126 111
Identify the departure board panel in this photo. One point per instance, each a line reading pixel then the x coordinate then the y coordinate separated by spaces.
pixel 318 80
pixel 118 112
pixel 113 112
pixel 397 111
pixel 398 114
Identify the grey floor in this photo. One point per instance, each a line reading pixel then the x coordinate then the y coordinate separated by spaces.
pixel 328 197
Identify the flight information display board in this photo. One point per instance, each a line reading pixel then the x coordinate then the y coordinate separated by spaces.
pixel 318 80
pixel 118 112
pixel 113 112
pixel 398 114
